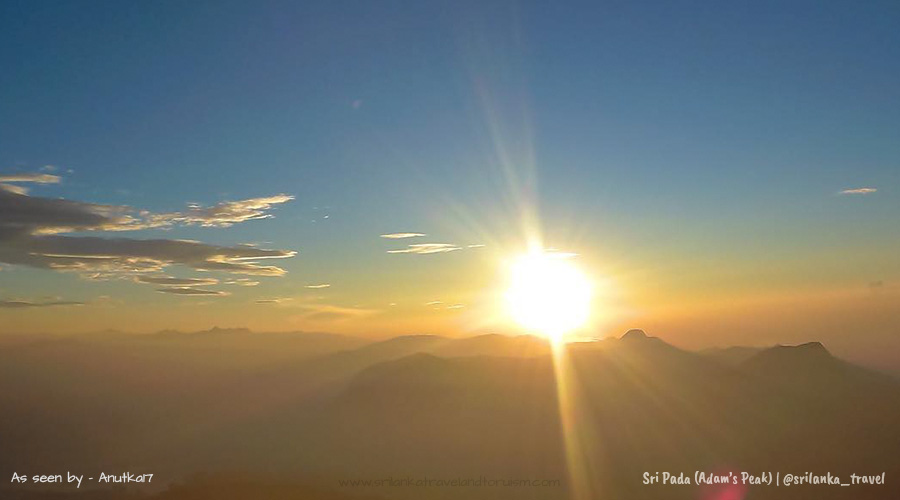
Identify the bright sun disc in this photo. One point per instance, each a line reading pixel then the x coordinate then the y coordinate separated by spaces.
pixel 548 294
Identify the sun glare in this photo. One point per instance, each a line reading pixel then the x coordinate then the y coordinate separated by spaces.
pixel 548 294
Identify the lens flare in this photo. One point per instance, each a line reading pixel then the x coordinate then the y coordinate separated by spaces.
pixel 548 294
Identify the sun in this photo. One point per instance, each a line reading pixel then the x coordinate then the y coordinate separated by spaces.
pixel 548 294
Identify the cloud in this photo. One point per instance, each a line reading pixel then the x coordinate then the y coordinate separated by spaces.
pixel 864 190
pixel 183 290
pixel 9 188
pixel 35 178
pixel 31 234
pixel 398 236
pixel 54 215
pixel 124 255
pixel 242 282
pixel 428 248
pixel 475 246
pixel 558 254
pixel 327 312
pixel 222 214
pixel 322 285
pixel 311 310
pixel 37 215
pixel 434 303
pixel 22 304
pixel 166 280
pixel 29 177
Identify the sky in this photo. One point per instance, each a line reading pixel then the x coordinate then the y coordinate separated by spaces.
pixel 726 173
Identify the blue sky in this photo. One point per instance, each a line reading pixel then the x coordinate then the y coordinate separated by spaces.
pixel 663 139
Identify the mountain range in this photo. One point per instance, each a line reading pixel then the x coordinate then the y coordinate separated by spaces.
pixel 306 411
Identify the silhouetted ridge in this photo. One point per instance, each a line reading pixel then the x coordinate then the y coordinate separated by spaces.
pixel 805 360
pixel 807 351
pixel 403 345
pixel 635 334
pixel 816 347
pixel 637 339
pixel 220 331
pixel 493 344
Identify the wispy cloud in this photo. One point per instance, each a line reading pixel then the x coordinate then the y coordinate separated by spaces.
pixel 24 304
pixel 35 178
pixel 328 312
pixel 475 246
pixel 224 214
pixel 434 303
pixel 56 216
pixel 863 190
pixel 559 254
pixel 184 290
pixel 310 309
pixel 102 257
pixel 31 229
pixel 169 281
pixel 428 248
pixel 241 282
pixel 270 301
pixel 321 285
pixel 400 236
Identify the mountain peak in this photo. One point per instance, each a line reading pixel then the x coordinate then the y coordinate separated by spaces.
pixel 813 346
pixel 801 357
pixel 634 334
pixel 808 349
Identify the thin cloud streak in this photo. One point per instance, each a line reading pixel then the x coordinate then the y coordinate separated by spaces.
pixel 181 290
pixel 35 178
pixel 167 280
pixel 23 304
pixel 241 282
pixel 329 312
pixel 864 190
pixel 399 236
pixel 428 248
